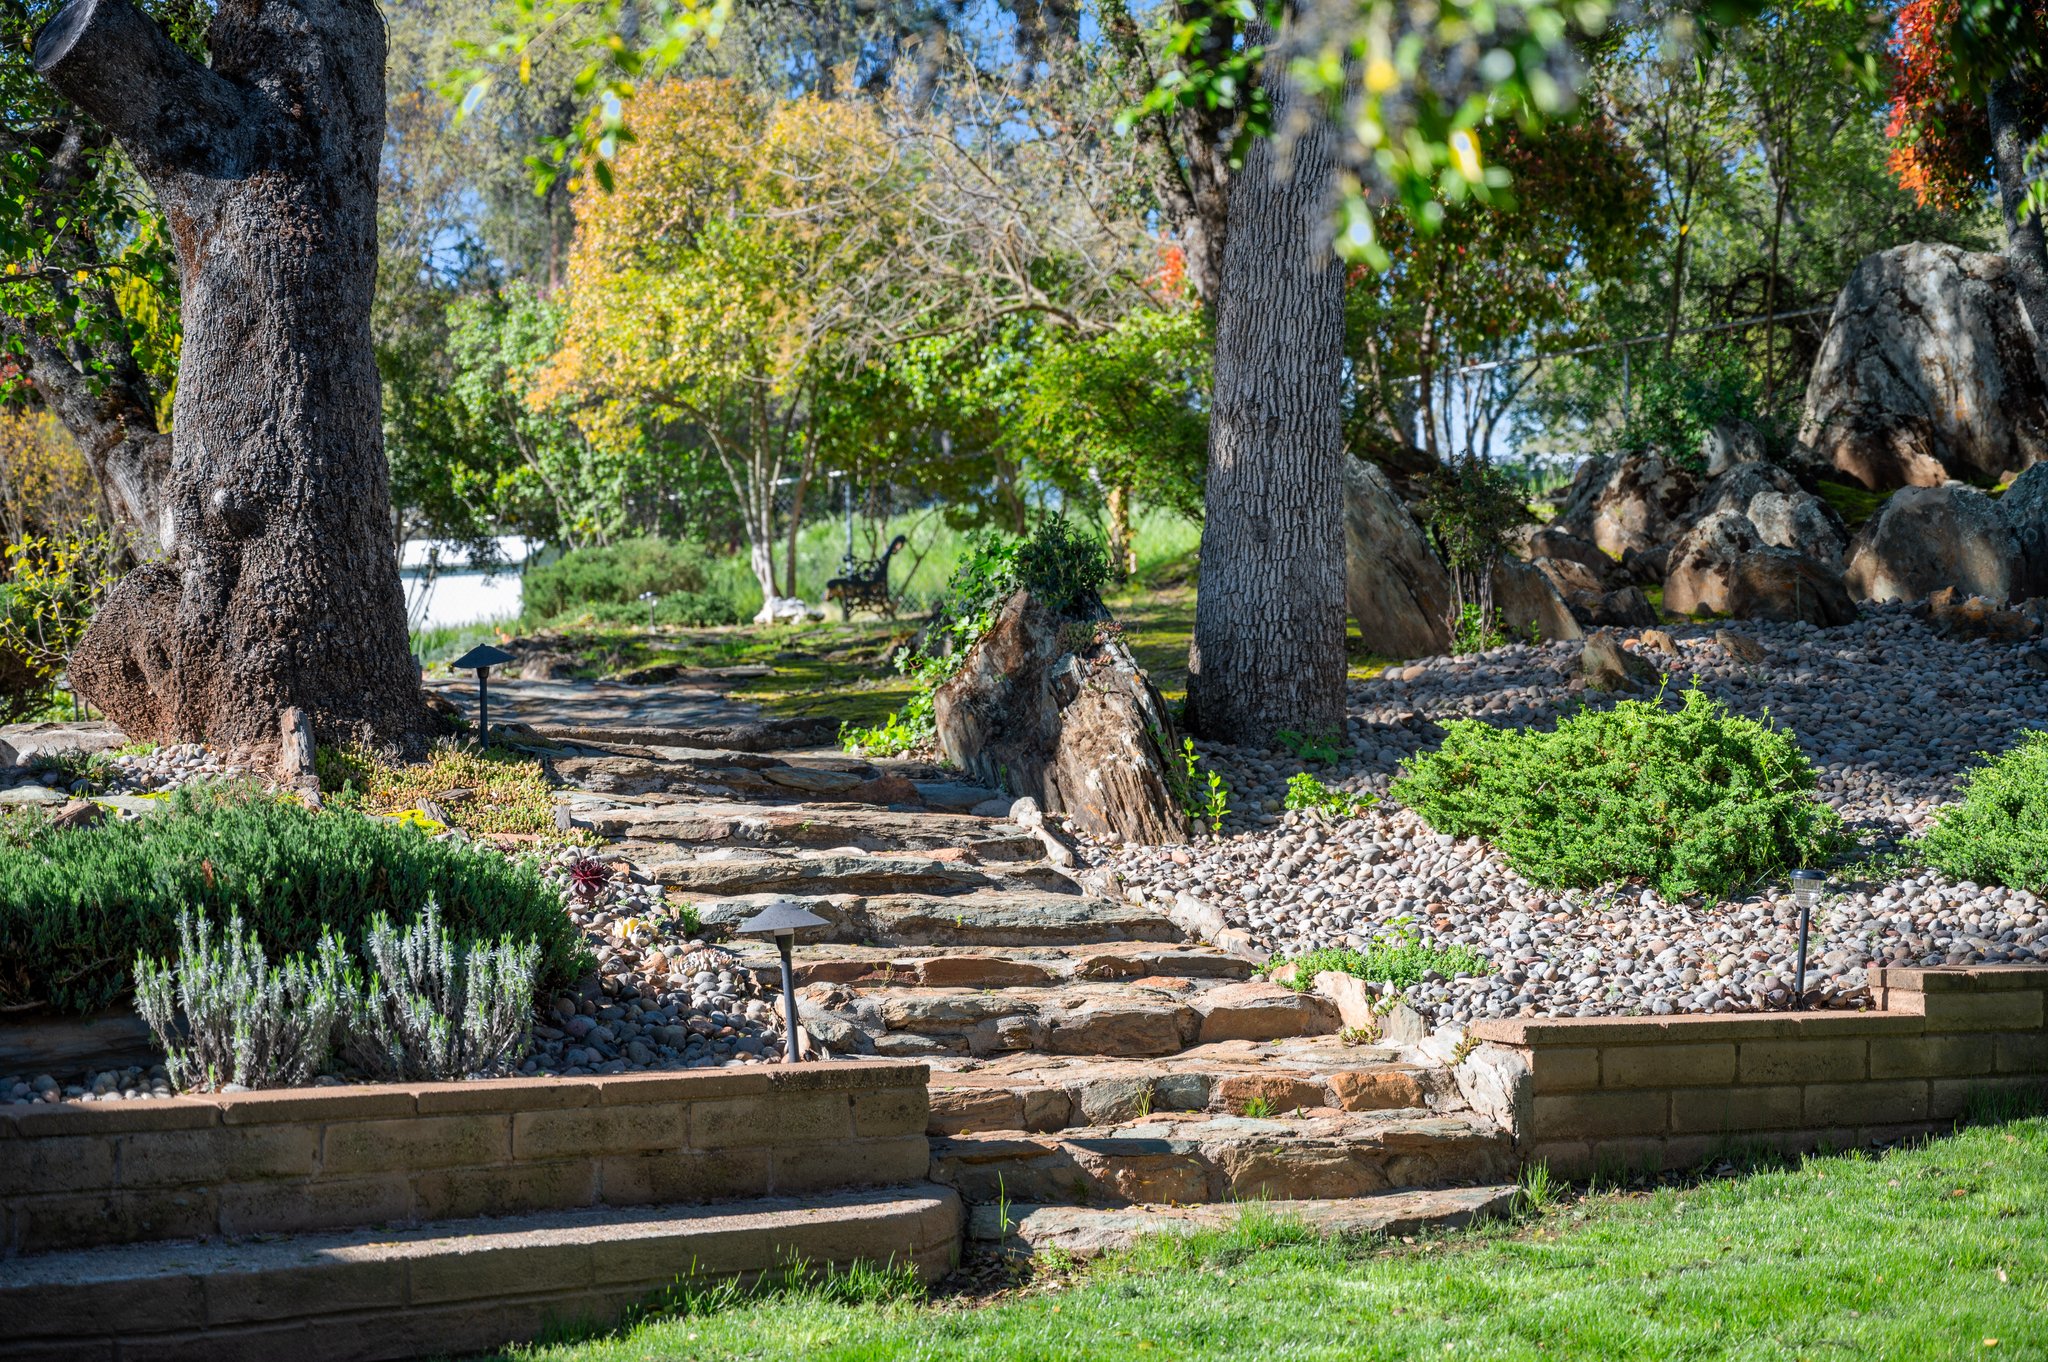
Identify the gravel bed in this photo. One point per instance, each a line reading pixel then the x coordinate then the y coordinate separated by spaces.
pixel 1890 712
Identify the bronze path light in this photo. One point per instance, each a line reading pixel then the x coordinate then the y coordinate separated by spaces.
pixel 782 920
pixel 481 659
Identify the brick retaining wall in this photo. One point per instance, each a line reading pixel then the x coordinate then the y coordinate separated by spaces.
pixel 1595 1094
pixel 79 1174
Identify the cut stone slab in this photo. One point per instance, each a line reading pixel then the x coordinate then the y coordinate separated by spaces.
pixel 453 1287
pixel 982 918
pixel 759 872
pixel 1262 1011
pixel 18 795
pixel 811 825
pixel 1085 1232
pixel 1208 1159
pixel 22 743
pixel 991 967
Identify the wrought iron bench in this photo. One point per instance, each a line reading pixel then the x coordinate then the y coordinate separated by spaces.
pixel 863 583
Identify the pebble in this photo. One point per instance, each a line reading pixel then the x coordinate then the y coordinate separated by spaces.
pixel 1890 713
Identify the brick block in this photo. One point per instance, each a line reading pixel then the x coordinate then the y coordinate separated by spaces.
pixel 506 1094
pixel 1667 1066
pixel 364 1103
pixel 1892 1101
pixel 176 1158
pixel 1949 1098
pixel 415 1143
pixel 891 1111
pixel 684 1177
pixel 839 1076
pixel 592 1132
pixel 1564 1158
pixel 1609 1112
pixel 857 1163
pixel 2023 1052
pixel 2009 1010
pixel 42 1224
pixel 1935 1055
pixel 1716 1111
pixel 66 1309
pixel 486 1271
pixel 1802 1061
pixel 320 1204
pixel 695 1085
pixel 1564 1069
pixel 322 1288
pixel 509 1189
pixel 108 1118
pixel 59 1163
pixel 776 1118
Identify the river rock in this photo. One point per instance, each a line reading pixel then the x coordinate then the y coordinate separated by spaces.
pixel 1054 706
pixel 1925 538
pixel 1929 372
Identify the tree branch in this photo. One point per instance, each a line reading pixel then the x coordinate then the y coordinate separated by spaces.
pixel 169 111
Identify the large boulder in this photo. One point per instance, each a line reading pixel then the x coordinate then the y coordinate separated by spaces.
pixel 1729 444
pixel 1929 372
pixel 1622 503
pixel 1724 565
pixel 1528 603
pixel 1538 542
pixel 1588 595
pixel 1783 513
pixel 1053 706
pixel 2024 509
pixel 1394 585
pixel 1925 538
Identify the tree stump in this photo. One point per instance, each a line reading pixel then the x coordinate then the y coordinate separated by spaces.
pixel 1055 707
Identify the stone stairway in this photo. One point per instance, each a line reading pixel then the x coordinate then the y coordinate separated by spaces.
pixel 1096 1072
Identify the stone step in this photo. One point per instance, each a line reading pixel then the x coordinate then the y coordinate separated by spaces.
pixel 815 826
pixel 450 1287
pixel 978 918
pixel 1124 1019
pixel 1085 1232
pixel 748 871
pixel 1196 1160
pixel 706 773
pixel 1050 1093
pixel 993 967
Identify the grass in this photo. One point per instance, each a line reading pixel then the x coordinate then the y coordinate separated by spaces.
pixel 1934 1252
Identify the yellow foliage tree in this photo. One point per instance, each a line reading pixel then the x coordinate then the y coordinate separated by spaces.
pixel 45 485
pixel 725 281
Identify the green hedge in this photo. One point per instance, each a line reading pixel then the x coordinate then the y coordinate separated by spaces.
pixel 78 906
pixel 609 582
pixel 1696 801
pixel 1998 834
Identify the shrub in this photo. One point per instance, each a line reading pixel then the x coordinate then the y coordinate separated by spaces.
pixel 437 1008
pixel 1998 833
pixel 1401 960
pixel 243 1020
pixel 609 582
pixel 1696 801
pixel 78 905
pixel 1305 792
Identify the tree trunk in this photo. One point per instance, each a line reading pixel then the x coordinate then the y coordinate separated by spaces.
pixel 1123 551
pixel 2024 243
pixel 1268 650
pixel 280 587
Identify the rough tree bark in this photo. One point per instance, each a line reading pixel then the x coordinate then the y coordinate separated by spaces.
pixel 2011 134
pixel 279 587
pixel 1268 651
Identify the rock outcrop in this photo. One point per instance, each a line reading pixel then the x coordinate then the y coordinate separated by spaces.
pixel 1622 503
pixel 1056 708
pixel 1527 603
pixel 1924 539
pixel 1784 513
pixel 1724 565
pixel 1394 586
pixel 1929 372
pixel 2024 509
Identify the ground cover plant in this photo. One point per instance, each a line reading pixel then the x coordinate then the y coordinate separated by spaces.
pixel 502 791
pixel 1403 960
pixel 77 906
pixel 1939 1251
pixel 1998 832
pixel 1693 800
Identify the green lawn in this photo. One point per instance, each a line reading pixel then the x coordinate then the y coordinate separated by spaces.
pixel 1938 1252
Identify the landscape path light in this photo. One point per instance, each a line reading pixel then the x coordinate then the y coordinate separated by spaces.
pixel 481 659
pixel 648 599
pixel 1806 891
pixel 782 920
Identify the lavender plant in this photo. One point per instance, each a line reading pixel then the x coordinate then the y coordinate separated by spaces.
pixel 246 1023
pixel 437 1008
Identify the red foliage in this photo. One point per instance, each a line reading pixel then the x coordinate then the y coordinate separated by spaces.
pixel 1170 279
pixel 1941 142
